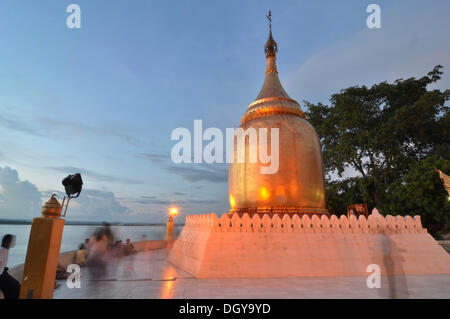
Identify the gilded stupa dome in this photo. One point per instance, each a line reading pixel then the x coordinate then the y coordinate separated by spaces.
pixel 298 186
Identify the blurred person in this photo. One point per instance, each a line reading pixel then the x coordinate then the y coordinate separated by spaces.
pixel 106 229
pixel 8 285
pixel 87 244
pixel 118 249
pixel 61 273
pixel 96 255
pixel 80 256
pixel 129 248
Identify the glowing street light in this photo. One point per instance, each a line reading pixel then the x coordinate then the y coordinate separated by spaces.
pixel 170 237
pixel 173 211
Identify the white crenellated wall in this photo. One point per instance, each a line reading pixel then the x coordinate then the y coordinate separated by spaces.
pixel 305 224
pixel 272 246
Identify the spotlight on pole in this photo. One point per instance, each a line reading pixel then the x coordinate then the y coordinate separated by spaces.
pixel 73 185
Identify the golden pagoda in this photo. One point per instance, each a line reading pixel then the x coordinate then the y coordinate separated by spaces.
pixel 270 233
pixel 298 186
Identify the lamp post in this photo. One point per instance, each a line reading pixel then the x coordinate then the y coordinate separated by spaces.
pixel 173 211
pixel 39 272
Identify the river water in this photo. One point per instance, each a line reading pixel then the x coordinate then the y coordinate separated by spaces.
pixel 73 236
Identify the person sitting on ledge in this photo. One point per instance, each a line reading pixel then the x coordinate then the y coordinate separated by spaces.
pixel 119 249
pixel 8 285
pixel 80 256
pixel 129 248
pixel 61 273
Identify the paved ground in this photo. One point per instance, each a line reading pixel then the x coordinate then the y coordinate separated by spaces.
pixel 149 275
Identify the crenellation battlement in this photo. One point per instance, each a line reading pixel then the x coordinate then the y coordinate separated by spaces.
pixel 375 224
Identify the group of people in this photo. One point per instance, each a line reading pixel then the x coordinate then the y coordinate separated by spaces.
pixel 97 251
pixel 94 253
pixel 124 249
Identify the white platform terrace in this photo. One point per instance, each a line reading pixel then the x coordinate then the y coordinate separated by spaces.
pixel 149 275
pixel 300 246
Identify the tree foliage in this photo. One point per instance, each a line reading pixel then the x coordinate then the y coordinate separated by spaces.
pixel 391 134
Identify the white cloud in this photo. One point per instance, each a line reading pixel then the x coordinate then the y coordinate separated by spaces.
pixel 94 205
pixel 414 38
pixel 410 43
pixel 98 205
pixel 19 199
pixel 22 200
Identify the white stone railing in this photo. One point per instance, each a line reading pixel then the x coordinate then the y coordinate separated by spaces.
pixel 375 224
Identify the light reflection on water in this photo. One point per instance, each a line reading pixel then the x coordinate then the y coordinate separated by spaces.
pixel 75 235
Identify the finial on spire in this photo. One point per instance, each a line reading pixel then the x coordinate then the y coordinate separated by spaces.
pixel 269 17
pixel 271 46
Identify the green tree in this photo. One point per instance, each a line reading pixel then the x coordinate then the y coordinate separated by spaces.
pixel 384 132
pixel 421 192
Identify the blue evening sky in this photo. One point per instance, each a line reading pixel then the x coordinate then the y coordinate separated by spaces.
pixel 103 100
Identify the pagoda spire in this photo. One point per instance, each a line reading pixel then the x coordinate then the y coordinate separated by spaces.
pixel 271 47
pixel 272 98
pixel 272 86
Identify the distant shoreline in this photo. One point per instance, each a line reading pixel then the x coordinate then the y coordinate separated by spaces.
pixel 81 223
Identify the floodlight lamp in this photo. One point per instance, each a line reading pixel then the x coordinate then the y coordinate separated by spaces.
pixel 73 184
